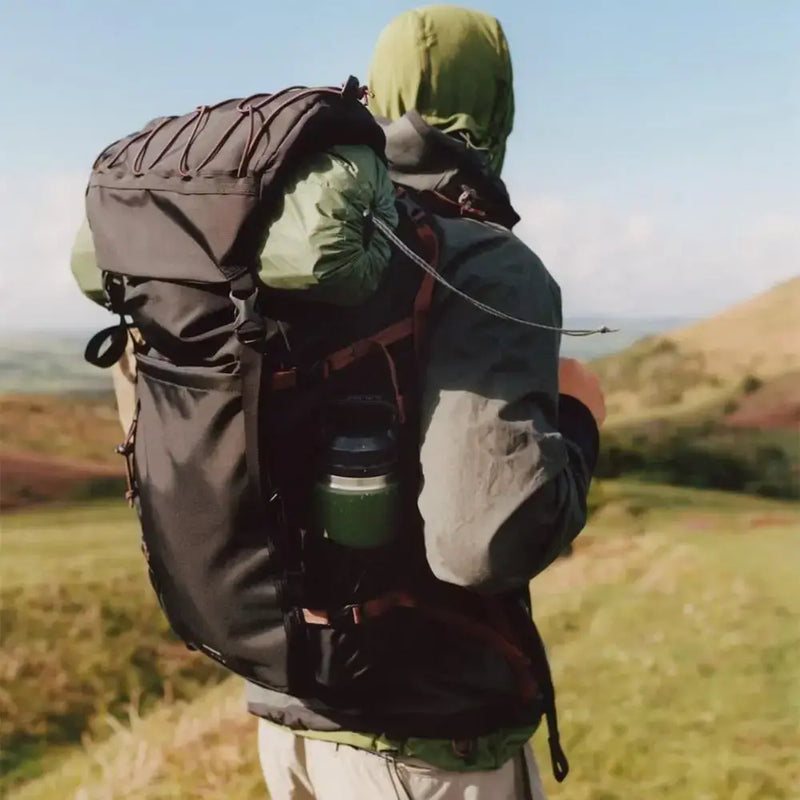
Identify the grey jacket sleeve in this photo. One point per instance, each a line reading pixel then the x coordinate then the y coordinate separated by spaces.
pixel 504 483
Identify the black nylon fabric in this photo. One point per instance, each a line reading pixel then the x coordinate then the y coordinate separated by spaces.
pixel 217 558
pixel 207 539
pixel 177 211
pixel 188 197
pixel 405 674
pixel 179 217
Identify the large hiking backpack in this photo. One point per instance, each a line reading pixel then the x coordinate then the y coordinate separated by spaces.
pixel 234 379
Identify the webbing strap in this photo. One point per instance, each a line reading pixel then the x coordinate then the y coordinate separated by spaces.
pixel 532 671
pixel 250 329
pixel 352 353
pixel 357 614
pixel 290 378
pixel 106 348
pixel 424 298
pixel 398 397
pixel 415 325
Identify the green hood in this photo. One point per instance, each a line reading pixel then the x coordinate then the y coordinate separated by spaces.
pixel 451 65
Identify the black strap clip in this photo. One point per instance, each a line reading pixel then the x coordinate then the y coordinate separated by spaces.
pixel 250 326
pixel 353 90
pixel 346 618
pixel 114 288
pixel 415 212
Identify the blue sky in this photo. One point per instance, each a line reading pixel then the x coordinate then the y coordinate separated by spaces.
pixel 654 159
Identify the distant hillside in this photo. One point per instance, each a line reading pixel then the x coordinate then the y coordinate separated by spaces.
pixel 48 362
pixel 759 337
pixel 707 368
pixel 712 405
pixel 626 331
pixel 58 448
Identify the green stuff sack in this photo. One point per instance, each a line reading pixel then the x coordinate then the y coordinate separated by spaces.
pixel 319 241
pixel 83 263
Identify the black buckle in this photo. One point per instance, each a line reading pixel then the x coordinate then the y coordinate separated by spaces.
pixel 346 618
pixel 416 213
pixel 249 325
pixel 353 90
pixel 114 288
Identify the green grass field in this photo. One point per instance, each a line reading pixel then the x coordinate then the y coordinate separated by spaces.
pixel 673 629
pixel 83 640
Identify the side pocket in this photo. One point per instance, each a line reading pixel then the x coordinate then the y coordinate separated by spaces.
pixel 212 547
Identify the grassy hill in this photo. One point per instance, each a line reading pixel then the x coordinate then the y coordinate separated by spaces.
pixel 673 632
pixel 84 642
pixel 715 404
pixel 707 367
pixel 83 428
pixel 758 337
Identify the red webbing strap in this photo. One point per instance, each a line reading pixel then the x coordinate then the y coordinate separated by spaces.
pixel 388 336
pixel 287 379
pixel 422 302
pixel 378 606
pixel 412 326
pixel 398 397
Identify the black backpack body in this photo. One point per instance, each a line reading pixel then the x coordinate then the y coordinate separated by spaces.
pixel 235 384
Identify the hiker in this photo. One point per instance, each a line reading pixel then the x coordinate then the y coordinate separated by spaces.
pixel 350 441
pixel 506 462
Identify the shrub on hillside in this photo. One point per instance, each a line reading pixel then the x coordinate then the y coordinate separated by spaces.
pixel 77 652
pixel 751 384
pixel 703 457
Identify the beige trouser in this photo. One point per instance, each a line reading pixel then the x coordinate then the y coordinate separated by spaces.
pixel 296 768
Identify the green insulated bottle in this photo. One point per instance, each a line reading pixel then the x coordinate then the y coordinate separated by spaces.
pixel 357 496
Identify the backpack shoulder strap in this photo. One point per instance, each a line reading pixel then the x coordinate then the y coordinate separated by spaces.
pixel 432 254
pixel 415 325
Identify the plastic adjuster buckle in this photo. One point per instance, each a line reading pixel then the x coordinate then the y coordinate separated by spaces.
pixel 347 617
pixel 250 326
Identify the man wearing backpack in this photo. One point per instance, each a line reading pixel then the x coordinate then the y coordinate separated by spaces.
pixel 346 476
pixel 509 434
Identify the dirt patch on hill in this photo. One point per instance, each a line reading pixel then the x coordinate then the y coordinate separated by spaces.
pixel 78 428
pixel 30 478
pixel 773 406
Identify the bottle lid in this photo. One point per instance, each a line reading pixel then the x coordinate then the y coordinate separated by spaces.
pixel 362 455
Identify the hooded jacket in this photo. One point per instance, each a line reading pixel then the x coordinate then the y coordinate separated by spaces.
pixel 452 66
pixel 506 464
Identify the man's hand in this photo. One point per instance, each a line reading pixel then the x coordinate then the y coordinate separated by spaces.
pixel 579 382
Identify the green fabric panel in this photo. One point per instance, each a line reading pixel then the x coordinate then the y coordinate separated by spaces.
pixel 453 66
pixel 316 242
pixel 491 751
pixel 84 265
